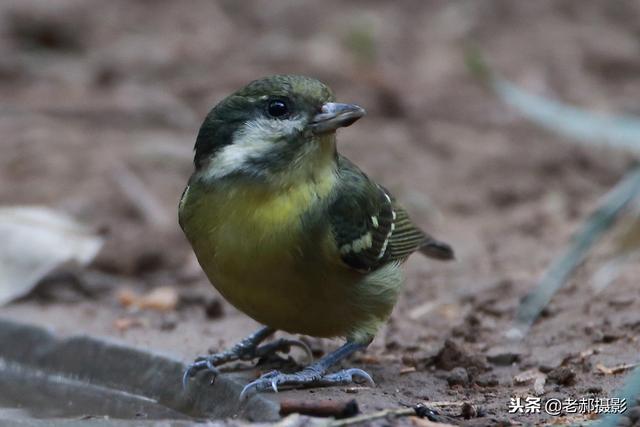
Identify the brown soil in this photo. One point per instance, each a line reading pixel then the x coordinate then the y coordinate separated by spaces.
pixel 88 88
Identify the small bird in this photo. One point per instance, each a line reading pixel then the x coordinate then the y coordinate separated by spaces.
pixel 291 232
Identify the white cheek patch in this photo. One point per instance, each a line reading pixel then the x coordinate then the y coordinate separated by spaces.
pixel 254 140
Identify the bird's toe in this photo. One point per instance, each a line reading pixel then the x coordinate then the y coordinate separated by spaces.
pixel 308 377
pixel 200 364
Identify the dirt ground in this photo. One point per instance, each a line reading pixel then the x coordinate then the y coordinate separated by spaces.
pixel 91 92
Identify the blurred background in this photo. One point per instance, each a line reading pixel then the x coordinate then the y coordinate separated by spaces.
pixel 100 103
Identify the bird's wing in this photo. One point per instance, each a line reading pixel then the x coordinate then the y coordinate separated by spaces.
pixel 369 226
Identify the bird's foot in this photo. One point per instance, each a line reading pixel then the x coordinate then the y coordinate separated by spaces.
pixel 245 350
pixel 312 376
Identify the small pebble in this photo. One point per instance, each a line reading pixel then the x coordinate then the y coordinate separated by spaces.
pixel 213 309
pixel 562 375
pixel 487 381
pixel 503 357
pixel 468 411
pixel 458 376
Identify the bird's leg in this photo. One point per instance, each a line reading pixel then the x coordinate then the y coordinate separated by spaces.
pixel 247 349
pixel 313 375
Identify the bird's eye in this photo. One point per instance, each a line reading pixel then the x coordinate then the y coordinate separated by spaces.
pixel 277 108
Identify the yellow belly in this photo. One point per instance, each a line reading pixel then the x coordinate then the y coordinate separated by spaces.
pixel 254 251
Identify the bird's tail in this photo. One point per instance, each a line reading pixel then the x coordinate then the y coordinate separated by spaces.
pixel 436 249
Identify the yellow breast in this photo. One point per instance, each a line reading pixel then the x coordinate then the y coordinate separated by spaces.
pixel 251 244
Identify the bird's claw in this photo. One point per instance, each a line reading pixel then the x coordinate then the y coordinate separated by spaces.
pixel 200 364
pixel 349 376
pixel 305 378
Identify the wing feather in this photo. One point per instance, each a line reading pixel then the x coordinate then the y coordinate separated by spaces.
pixel 371 229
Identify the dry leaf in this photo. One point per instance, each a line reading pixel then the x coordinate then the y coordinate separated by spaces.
pixel 36 240
pixel 163 298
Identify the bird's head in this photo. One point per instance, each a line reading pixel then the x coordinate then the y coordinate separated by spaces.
pixel 277 125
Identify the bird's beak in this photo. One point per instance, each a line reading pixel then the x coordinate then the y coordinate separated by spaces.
pixel 334 115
